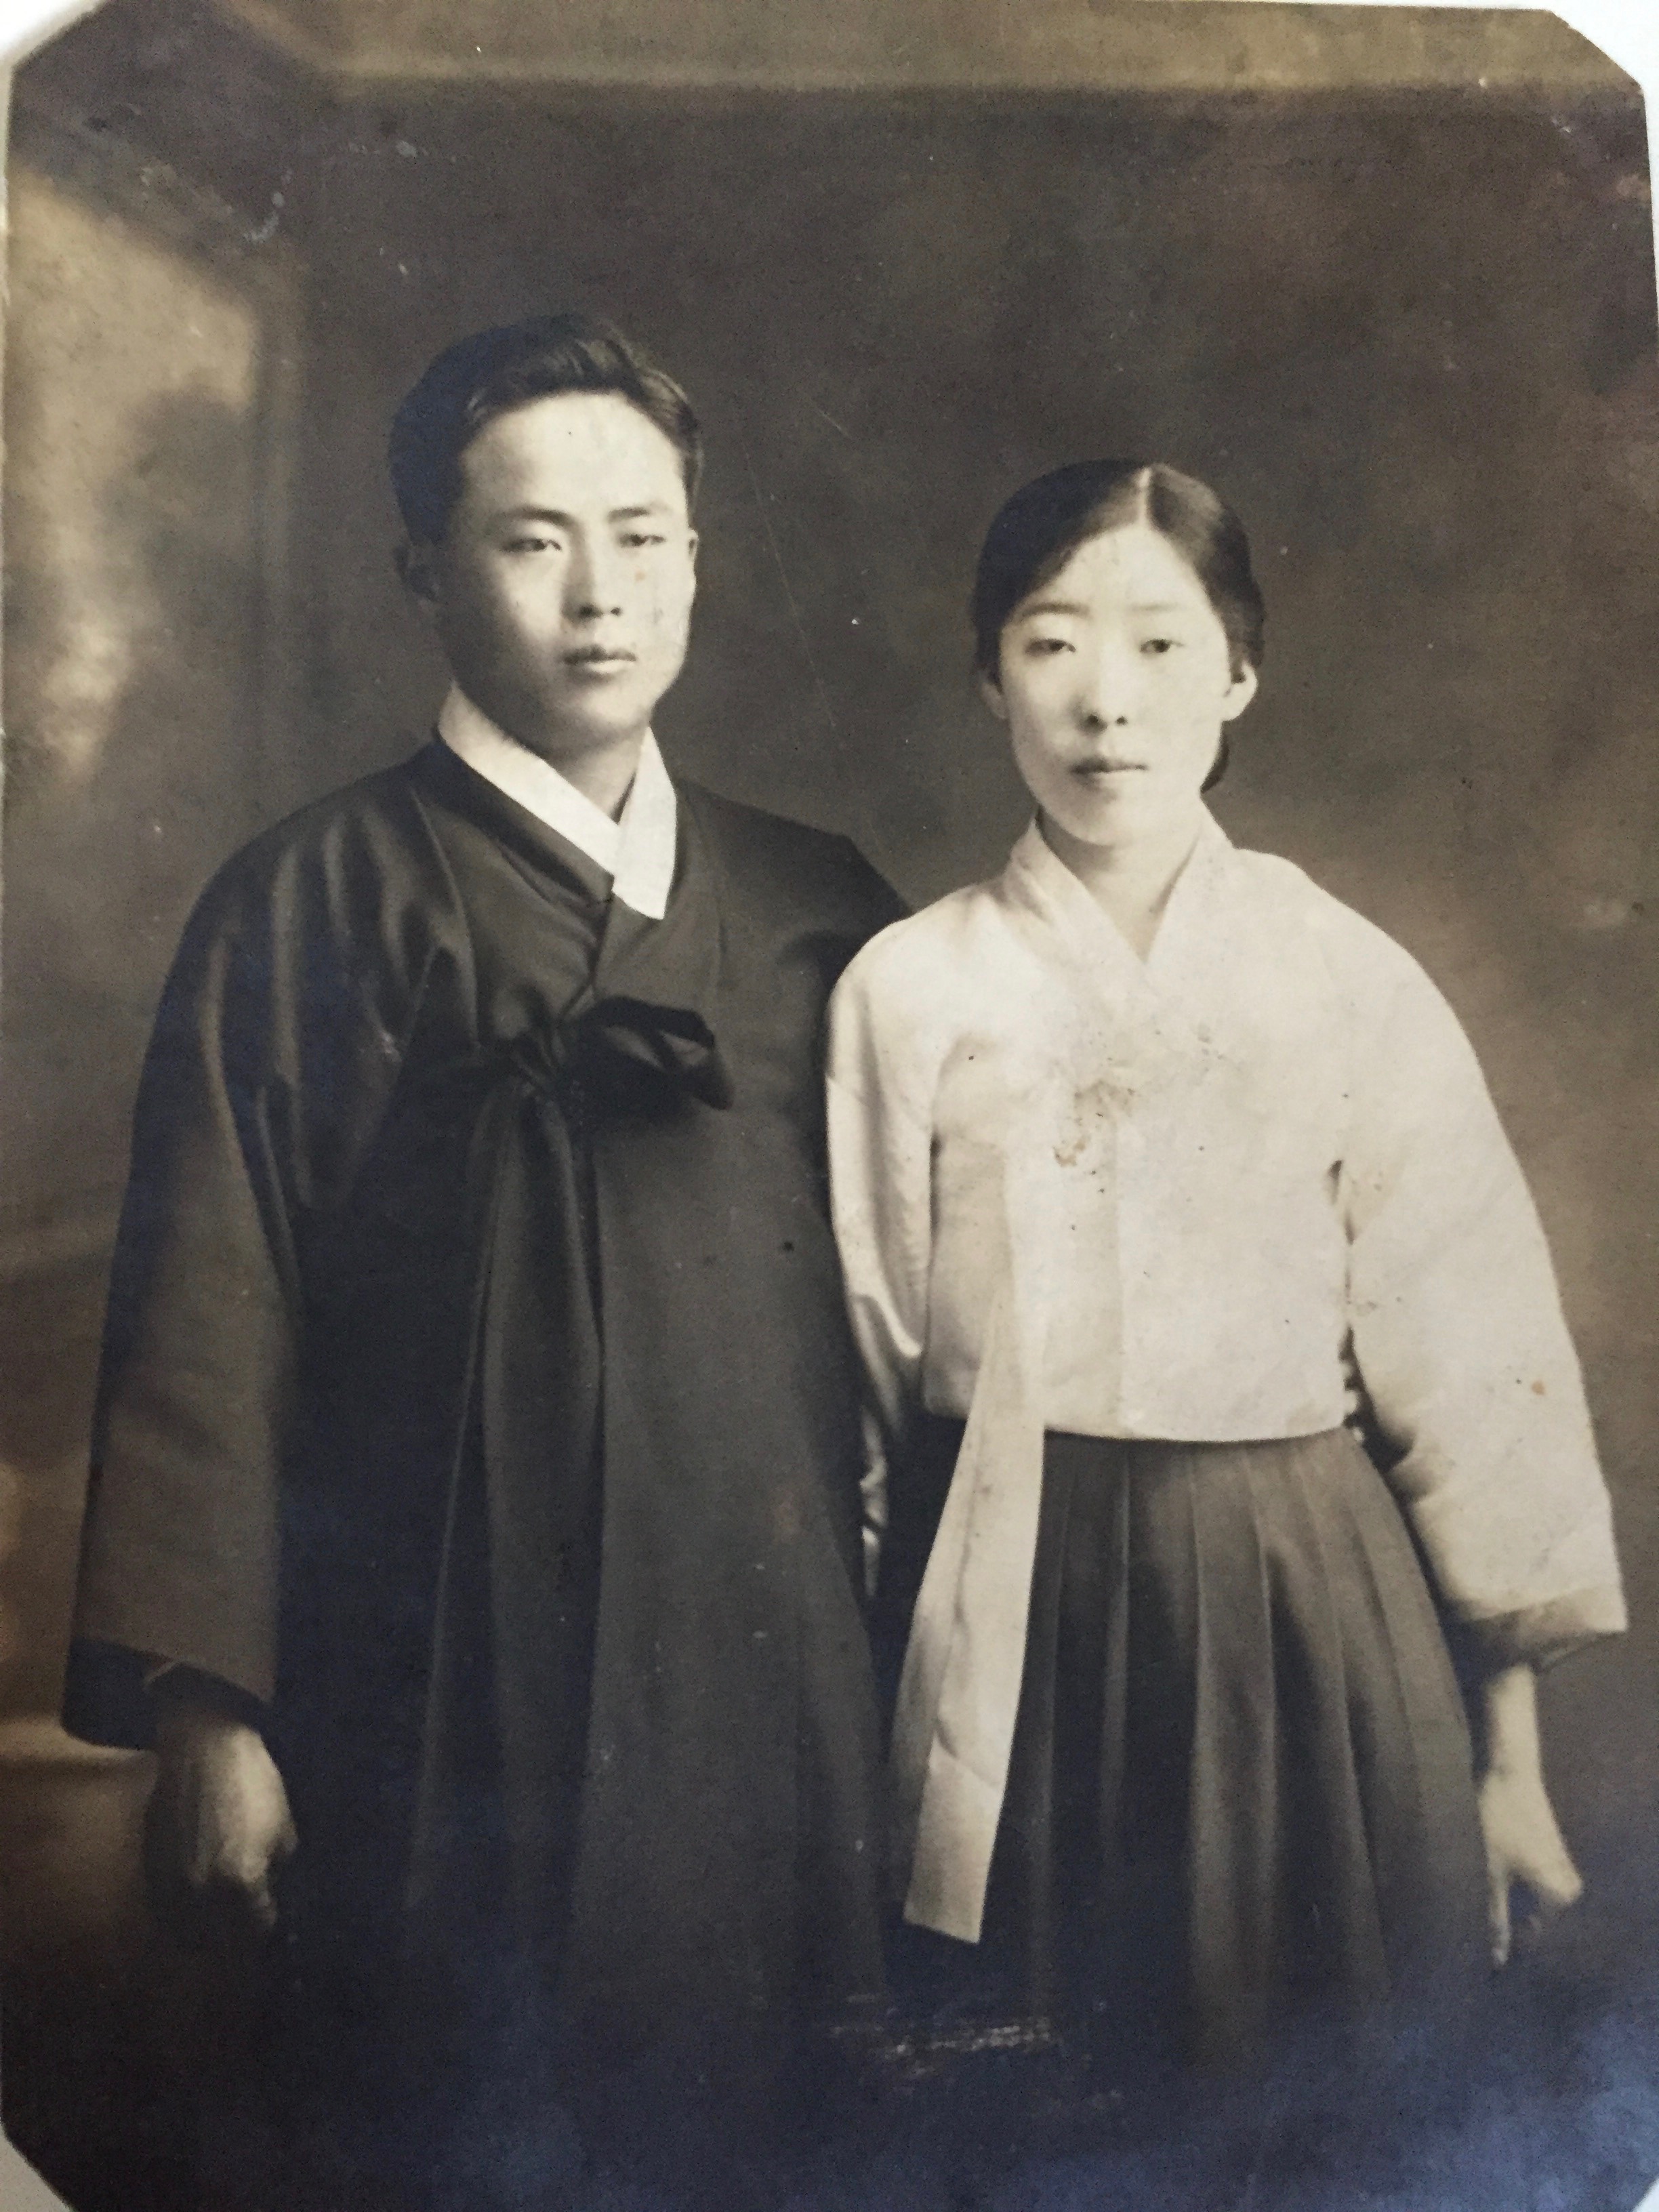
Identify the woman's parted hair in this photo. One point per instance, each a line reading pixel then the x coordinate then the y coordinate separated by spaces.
pixel 494 371
pixel 1036 532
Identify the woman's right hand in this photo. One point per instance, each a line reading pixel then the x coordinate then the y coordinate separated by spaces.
pixel 218 1827
pixel 1523 1840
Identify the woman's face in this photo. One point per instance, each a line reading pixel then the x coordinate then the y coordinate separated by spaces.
pixel 1115 680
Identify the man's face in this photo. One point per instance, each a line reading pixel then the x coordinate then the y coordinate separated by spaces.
pixel 562 585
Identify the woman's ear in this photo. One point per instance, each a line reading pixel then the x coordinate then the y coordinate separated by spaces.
pixel 991 692
pixel 1240 694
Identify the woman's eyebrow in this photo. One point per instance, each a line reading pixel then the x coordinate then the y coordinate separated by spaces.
pixel 1076 607
pixel 1051 607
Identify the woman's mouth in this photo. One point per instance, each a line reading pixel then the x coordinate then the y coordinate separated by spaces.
pixel 598 659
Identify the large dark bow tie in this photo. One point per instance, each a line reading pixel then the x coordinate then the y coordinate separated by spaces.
pixel 621 1060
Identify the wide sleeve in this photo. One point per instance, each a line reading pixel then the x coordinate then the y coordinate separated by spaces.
pixel 881 1201
pixel 1459 1337
pixel 274 1049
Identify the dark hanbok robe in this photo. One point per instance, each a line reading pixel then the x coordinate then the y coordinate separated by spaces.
pixel 477 1401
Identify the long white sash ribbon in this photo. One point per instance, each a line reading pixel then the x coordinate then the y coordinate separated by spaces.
pixel 959 1690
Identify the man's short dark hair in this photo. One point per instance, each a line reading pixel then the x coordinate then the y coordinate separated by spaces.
pixel 492 372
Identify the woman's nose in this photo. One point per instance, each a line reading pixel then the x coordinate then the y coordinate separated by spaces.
pixel 1106 692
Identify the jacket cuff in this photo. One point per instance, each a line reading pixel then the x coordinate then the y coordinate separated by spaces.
pixel 1539 1635
pixel 111 1695
pixel 170 1682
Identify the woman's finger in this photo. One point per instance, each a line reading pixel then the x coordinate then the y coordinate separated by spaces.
pixel 1556 1884
pixel 1498 1912
pixel 1540 1857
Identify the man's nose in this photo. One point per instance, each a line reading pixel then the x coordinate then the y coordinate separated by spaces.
pixel 593 581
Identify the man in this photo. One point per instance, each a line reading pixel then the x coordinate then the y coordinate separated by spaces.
pixel 476 1495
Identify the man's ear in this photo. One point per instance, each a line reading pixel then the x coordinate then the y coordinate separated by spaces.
pixel 417 570
pixel 991 692
pixel 692 542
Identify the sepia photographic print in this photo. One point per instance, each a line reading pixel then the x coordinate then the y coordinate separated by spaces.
pixel 827 1191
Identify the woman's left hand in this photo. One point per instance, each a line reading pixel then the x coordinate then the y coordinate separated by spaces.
pixel 1523 1840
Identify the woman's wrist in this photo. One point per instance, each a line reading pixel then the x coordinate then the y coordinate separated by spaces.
pixel 1508 1716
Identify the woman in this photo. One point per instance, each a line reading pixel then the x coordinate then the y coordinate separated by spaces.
pixel 1160 1177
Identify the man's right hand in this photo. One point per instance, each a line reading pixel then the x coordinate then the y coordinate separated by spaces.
pixel 218 1826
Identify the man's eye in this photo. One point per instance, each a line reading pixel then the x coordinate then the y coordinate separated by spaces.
pixel 644 538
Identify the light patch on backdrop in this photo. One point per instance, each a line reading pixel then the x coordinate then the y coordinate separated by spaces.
pixel 91 479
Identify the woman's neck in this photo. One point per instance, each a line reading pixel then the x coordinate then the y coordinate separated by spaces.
pixel 1131 882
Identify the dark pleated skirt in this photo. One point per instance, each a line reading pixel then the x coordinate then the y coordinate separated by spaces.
pixel 1240 1787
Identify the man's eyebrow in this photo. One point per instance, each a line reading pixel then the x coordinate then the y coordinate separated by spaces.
pixel 557 515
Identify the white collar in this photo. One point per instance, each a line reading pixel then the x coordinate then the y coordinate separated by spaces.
pixel 637 852
pixel 1092 931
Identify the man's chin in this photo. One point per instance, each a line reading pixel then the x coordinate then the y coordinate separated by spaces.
pixel 564 737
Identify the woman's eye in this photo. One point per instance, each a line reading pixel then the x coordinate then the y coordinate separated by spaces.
pixel 1156 645
pixel 530 544
pixel 1043 648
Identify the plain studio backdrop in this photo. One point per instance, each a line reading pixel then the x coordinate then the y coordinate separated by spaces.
pixel 1385 280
